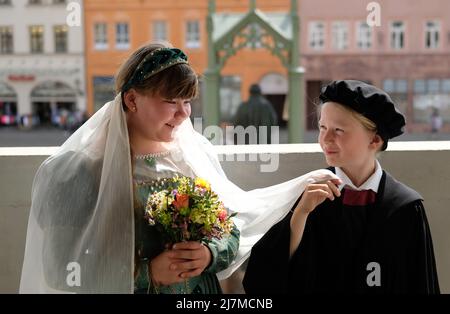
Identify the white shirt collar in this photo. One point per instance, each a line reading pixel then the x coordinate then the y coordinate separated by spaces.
pixel 372 183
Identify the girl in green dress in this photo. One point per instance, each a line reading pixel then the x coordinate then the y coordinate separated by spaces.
pixel 155 107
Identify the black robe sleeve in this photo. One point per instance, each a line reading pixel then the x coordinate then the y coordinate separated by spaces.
pixel 408 243
pixel 267 269
pixel 422 265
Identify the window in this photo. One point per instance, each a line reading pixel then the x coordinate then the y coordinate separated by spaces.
pixel 339 31
pixel 100 36
pixel 419 87
pixel 103 87
pixel 122 36
pixel 230 96
pixel 395 86
pixel 37 39
pixel 60 38
pixel 397 35
pixel 428 86
pixel 446 86
pixel 316 35
pixel 398 90
pixel 363 36
pixel 6 40
pixel 433 86
pixel 429 95
pixel 432 29
pixel 160 30
pixel 192 34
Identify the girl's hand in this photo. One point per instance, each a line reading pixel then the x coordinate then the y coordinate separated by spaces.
pixel 190 258
pixel 316 193
pixel 160 271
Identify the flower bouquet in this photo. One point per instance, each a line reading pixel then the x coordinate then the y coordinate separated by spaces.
pixel 186 209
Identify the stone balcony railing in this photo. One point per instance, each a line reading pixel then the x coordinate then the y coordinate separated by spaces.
pixel 425 166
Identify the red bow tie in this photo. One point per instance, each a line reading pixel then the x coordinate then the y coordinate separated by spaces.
pixel 358 198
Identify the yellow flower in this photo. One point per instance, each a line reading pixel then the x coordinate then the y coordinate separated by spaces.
pixel 202 183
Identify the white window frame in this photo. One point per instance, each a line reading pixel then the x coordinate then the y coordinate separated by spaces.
pixel 101 36
pixel 339 35
pixel 159 30
pixel 7 43
pixel 396 34
pixel 40 40
pixel 192 34
pixel 122 35
pixel 316 35
pixel 433 31
pixel 61 29
pixel 364 36
pixel 395 86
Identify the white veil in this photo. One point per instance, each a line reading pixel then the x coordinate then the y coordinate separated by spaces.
pixel 80 234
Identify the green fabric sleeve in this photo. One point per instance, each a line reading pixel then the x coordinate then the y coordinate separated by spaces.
pixel 223 251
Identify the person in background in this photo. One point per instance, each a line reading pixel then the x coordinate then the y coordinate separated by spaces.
pixel 257 111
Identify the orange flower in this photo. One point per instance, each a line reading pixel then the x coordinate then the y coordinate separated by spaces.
pixel 181 201
pixel 222 215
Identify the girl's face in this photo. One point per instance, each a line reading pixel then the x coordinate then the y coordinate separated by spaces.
pixel 156 118
pixel 345 142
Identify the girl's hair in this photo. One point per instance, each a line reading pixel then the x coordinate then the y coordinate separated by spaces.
pixel 177 81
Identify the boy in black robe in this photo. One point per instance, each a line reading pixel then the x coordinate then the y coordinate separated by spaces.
pixel 370 233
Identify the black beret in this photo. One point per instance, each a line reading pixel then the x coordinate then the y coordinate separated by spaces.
pixel 371 102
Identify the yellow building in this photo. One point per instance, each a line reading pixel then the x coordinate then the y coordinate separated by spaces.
pixel 116 28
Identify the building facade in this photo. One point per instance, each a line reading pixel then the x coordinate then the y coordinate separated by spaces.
pixel 42 77
pixel 407 54
pixel 116 28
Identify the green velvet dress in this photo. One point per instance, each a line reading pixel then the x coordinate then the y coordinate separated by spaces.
pixel 147 169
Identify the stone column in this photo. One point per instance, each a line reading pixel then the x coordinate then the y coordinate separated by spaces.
pixel 296 124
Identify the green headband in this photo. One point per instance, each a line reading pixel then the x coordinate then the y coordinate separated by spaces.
pixel 155 62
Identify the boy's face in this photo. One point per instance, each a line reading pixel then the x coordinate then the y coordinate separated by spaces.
pixel 345 142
